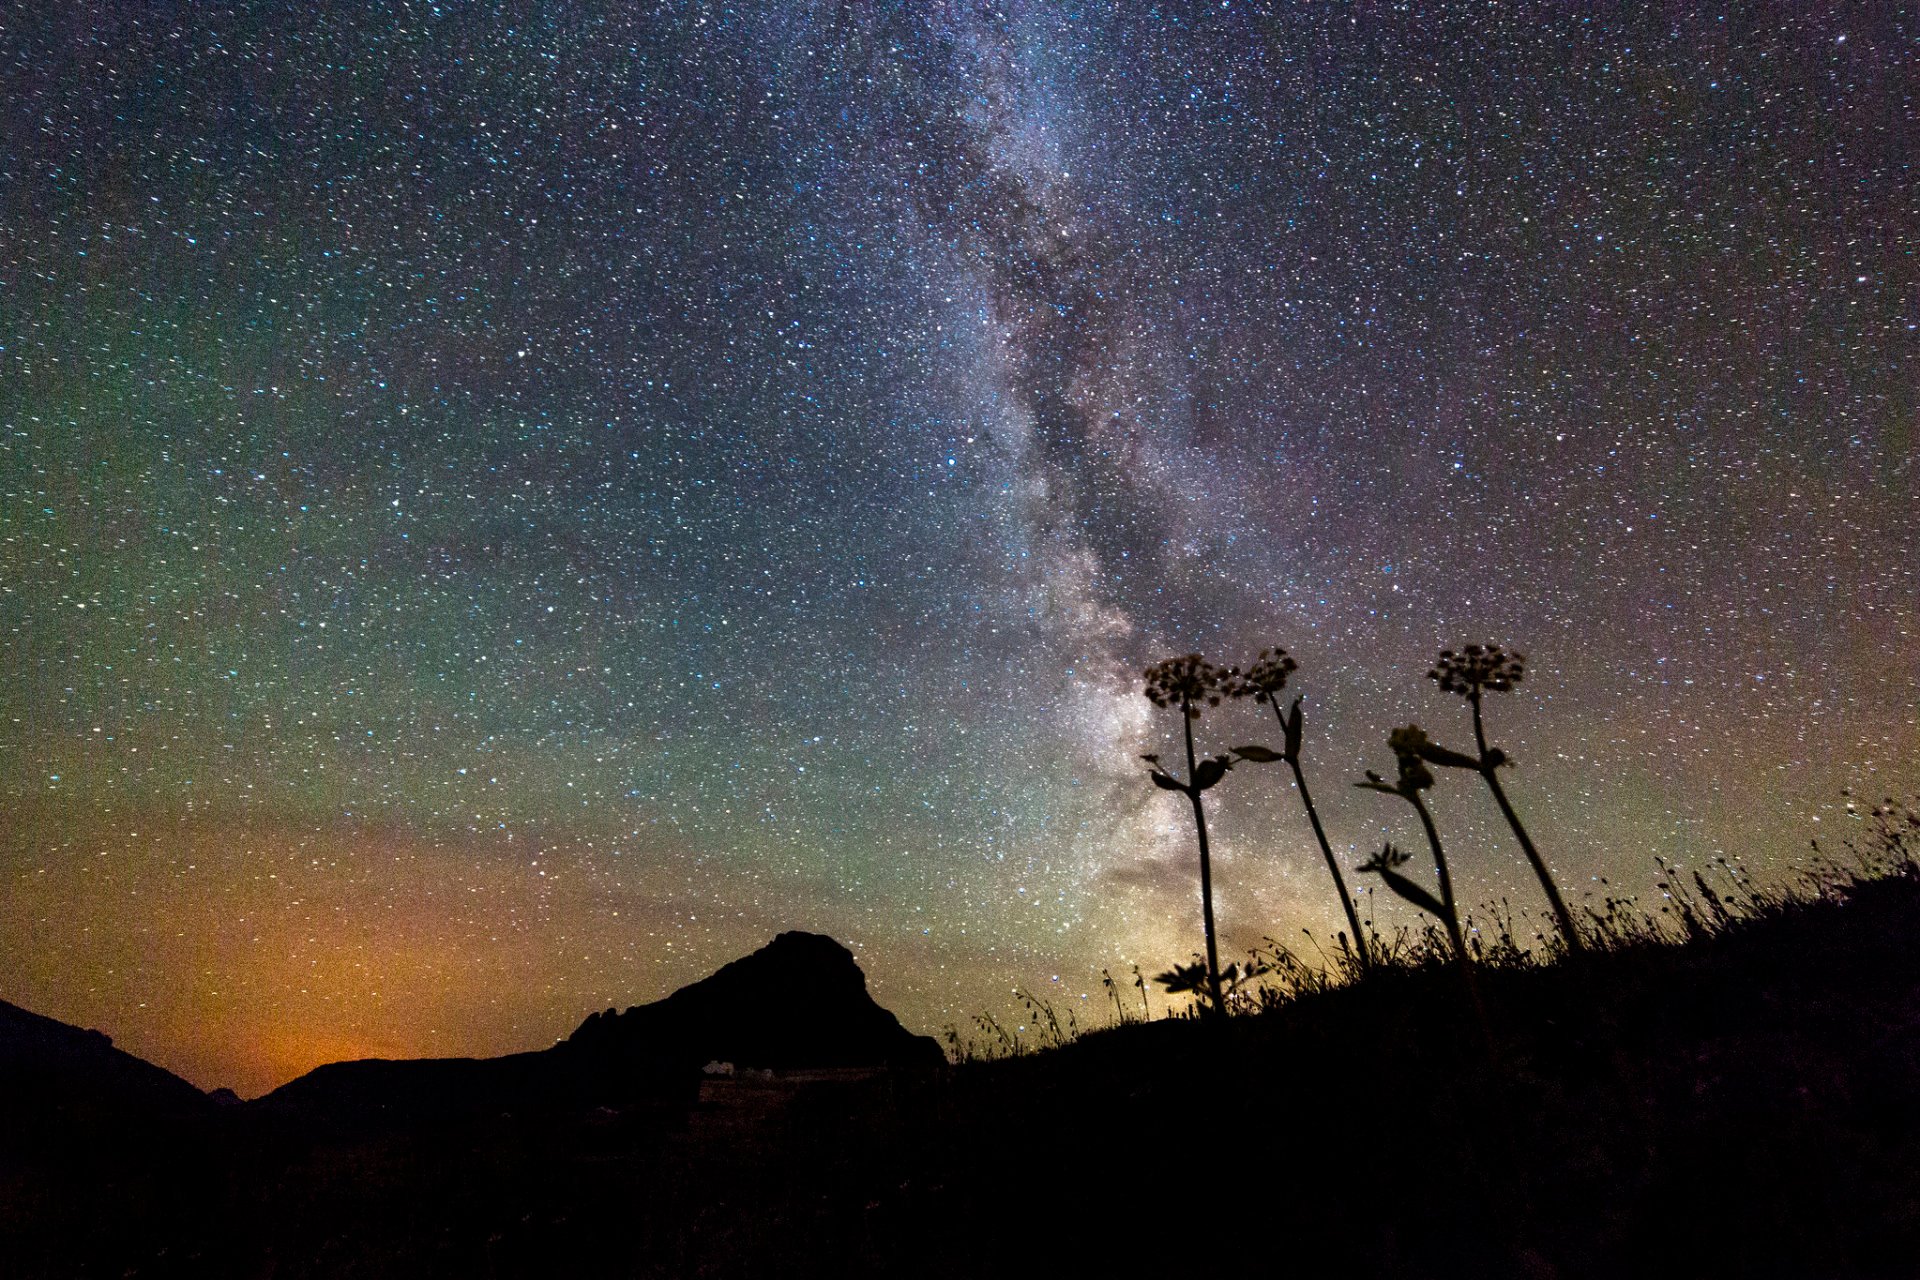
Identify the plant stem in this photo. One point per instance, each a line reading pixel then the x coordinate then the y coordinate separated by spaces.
pixel 1326 850
pixel 1446 877
pixel 1489 772
pixel 1219 1007
pixel 1453 920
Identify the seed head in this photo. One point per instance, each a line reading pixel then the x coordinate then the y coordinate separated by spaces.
pixel 1477 668
pixel 1266 677
pixel 1189 681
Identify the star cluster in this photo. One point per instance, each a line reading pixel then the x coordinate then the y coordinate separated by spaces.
pixel 507 505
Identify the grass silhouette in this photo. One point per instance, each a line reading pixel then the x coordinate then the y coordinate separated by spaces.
pixel 1700 906
pixel 1121 1013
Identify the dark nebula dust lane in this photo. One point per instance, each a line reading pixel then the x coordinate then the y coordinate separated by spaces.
pixel 507 506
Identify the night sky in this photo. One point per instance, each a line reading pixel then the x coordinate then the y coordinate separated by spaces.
pixel 504 507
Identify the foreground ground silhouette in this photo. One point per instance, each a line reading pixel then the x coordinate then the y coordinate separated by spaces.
pixel 1748 1104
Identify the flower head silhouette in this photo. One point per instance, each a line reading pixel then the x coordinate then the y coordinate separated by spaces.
pixel 1471 672
pixel 1189 682
pixel 1476 668
pixel 1266 677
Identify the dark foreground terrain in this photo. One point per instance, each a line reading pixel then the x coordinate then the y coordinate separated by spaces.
pixel 1745 1105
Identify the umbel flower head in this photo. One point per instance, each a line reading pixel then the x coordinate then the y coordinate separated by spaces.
pixel 1190 681
pixel 1266 677
pixel 1476 668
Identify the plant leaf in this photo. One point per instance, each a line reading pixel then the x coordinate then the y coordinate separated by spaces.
pixel 1208 772
pixel 1434 753
pixel 1258 754
pixel 1184 977
pixel 1166 782
pixel 1412 892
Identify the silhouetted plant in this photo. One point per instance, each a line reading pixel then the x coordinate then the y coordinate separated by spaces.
pixel 1120 1011
pixel 1293 977
pixel 1001 1042
pixel 1472 672
pixel 1047 1027
pixel 1263 682
pixel 1196 980
pixel 1185 979
pixel 1387 863
pixel 1120 1015
pixel 1042 1028
pixel 1191 683
pixel 1410 747
pixel 1891 843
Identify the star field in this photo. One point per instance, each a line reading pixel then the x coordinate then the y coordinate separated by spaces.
pixel 505 506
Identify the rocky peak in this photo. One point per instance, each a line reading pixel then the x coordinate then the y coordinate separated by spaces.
pixel 800 1001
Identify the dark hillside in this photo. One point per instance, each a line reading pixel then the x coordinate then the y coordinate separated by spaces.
pixel 60 1083
pixel 1742 1105
pixel 1747 1104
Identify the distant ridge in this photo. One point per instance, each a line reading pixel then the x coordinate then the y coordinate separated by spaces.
pixel 59 1081
pixel 799 1002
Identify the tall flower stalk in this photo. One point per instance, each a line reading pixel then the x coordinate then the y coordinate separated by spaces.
pixel 1413 751
pixel 1264 681
pixel 1191 683
pixel 1414 778
pixel 1472 672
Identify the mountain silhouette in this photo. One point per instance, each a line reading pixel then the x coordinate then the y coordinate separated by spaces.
pixel 799 1002
pixel 59 1083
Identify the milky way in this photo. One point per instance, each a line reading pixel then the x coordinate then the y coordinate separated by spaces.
pixel 506 506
